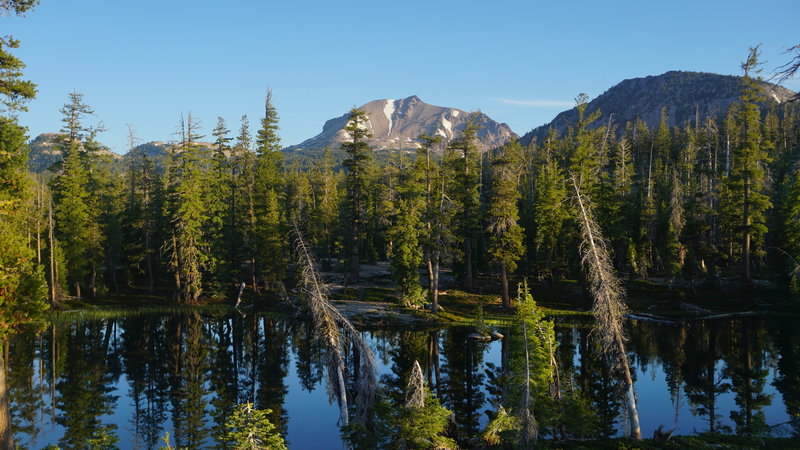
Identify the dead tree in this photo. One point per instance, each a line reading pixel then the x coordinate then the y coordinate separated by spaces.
pixel 609 307
pixel 336 333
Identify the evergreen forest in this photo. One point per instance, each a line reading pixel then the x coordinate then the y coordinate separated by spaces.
pixel 226 216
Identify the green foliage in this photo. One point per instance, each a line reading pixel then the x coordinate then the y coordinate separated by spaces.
pixel 548 215
pixel 502 429
pixel 22 285
pixel 479 322
pixel 104 438
pixel 745 184
pixel 505 233
pixel 533 363
pixel 250 429
pixel 406 234
pixel 584 159
pixel 327 203
pixel 357 165
pixel 423 427
pixel 14 91
pixel 461 170
pixel 187 208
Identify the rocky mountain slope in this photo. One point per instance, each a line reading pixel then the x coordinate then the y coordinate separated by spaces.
pixel 684 94
pixel 44 152
pixel 396 124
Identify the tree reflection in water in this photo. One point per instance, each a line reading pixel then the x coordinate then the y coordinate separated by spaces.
pixel 135 378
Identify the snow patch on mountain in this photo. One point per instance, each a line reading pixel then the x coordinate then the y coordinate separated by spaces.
pixel 447 126
pixel 388 109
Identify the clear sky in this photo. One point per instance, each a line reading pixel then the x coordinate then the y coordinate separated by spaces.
pixel 145 62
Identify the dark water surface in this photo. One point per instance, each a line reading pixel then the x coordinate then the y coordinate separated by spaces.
pixel 140 376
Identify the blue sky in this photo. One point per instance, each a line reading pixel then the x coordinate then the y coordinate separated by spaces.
pixel 145 62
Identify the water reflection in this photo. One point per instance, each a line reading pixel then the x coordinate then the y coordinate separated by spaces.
pixel 134 378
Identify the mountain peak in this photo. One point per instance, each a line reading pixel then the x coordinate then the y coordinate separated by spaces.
pixel 687 96
pixel 396 125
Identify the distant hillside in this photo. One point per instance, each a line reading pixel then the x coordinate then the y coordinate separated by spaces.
pixel 157 149
pixel 685 94
pixel 396 124
pixel 44 152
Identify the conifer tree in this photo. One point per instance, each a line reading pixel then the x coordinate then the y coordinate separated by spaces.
pixel 77 227
pixel 505 233
pixel 269 184
pixel 548 211
pixel 187 245
pixel 584 158
pixel 15 91
pixel 357 165
pixel 675 223
pixel 326 204
pixel 268 147
pixel 532 368
pixel 142 216
pixel 406 233
pixel 437 217
pixel 22 285
pixel 246 189
pixel 463 174
pixel 747 172
pixel 220 201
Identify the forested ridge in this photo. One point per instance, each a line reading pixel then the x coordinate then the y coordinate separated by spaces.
pixel 698 202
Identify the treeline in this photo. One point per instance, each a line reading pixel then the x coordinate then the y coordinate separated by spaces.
pixel 699 201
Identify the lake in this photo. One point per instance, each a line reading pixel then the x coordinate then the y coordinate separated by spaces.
pixel 139 376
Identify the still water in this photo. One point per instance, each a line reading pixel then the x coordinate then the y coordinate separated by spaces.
pixel 140 376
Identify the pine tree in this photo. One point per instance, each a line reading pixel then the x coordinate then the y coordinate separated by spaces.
pixel 249 428
pixel 584 159
pixel 747 172
pixel 73 216
pixel 245 200
pixel 532 368
pixel 142 217
pixel 15 91
pixel 548 210
pixel 188 214
pixel 357 165
pixel 675 223
pixel 269 184
pixel 22 285
pixel 327 201
pixel 464 186
pixel 437 216
pixel 220 201
pixel 77 227
pixel 505 233
pixel 407 231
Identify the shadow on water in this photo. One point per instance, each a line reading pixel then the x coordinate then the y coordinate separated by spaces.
pixel 134 377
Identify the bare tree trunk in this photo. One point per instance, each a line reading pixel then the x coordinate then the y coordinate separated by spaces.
pixel 6 436
pixel 53 279
pixel 38 225
pixel 630 395
pixel 435 285
pixel 746 233
pixel 608 307
pixel 504 282
pixel 436 372
pixel 530 429
pixel 151 282
pixel 468 263
pixel 429 269
pixel 93 283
